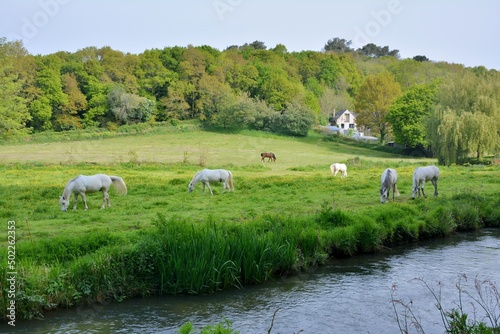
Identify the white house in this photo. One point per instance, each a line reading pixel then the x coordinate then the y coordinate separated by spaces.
pixel 344 119
pixel 344 123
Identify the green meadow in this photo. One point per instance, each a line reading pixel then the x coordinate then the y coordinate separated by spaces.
pixel 282 216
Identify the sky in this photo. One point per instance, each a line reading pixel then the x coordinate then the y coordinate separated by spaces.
pixel 454 31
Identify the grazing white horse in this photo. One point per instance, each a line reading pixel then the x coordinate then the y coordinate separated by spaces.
pixel 83 184
pixel 206 176
pixel 422 175
pixel 335 168
pixel 389 179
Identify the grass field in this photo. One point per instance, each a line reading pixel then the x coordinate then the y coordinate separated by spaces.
pixel 267 214
pixel 158 167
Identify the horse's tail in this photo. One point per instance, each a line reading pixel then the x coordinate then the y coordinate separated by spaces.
pixel 436 172
pixel 395 179
pixel 230 180
pixel 396 192
pixel 119 184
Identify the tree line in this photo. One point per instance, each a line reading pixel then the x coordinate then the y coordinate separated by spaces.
pixel 449 107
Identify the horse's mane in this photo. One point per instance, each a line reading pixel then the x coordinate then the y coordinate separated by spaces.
pixel 195 177
pixel 387 179
pixel 74 179
pixel 201 171
pixel 66 191
pixel 416 176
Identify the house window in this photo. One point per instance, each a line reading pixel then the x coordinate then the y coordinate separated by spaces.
pixel 351 126
pixel 347 117
pixel 342 125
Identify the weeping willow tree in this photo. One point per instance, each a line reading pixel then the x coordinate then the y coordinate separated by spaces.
pixel 481 133
pixel 456 137
pixel 467 121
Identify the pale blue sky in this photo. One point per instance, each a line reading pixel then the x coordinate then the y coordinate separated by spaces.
pixel 464 32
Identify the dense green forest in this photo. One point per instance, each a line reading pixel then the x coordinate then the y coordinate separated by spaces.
pixel 450 108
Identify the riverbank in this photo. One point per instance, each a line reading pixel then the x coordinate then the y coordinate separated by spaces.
pixel 360 288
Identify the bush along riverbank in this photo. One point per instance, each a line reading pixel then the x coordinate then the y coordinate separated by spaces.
pixel 179 256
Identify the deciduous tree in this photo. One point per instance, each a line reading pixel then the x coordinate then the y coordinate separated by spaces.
pixel 409 113
pixel 129 108
pixel 13 111
pixel 373 102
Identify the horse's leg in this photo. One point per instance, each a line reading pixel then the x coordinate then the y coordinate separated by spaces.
pixel 208 186
pixel 395 191
pixel 75 198
pixel 423 193
pixel 105 199
pixel 84 199
pixel 435 183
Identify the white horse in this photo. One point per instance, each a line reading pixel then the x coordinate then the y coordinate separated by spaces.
pixel 389 179
pixel 83 184
pixel 335 168
pixel 422 175
pixel 206 176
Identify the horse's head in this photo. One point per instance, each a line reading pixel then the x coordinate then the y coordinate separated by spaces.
pixel 190 187
pixel 64 203
pixel 384 195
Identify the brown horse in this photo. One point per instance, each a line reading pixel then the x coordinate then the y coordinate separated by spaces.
pixel 270 156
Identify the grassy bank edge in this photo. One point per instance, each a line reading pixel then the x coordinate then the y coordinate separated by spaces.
pixel 179 256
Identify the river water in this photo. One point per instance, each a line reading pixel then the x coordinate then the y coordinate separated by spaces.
pixel 346 296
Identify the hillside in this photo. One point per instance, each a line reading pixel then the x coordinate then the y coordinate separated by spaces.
pixel 188 145
pixel 410 101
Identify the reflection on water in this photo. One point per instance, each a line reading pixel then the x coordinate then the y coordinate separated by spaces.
pixel 347 296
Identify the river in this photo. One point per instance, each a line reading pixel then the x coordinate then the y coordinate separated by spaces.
pixel 346 296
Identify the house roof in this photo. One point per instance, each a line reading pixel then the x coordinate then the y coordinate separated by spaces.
pixel 340 113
